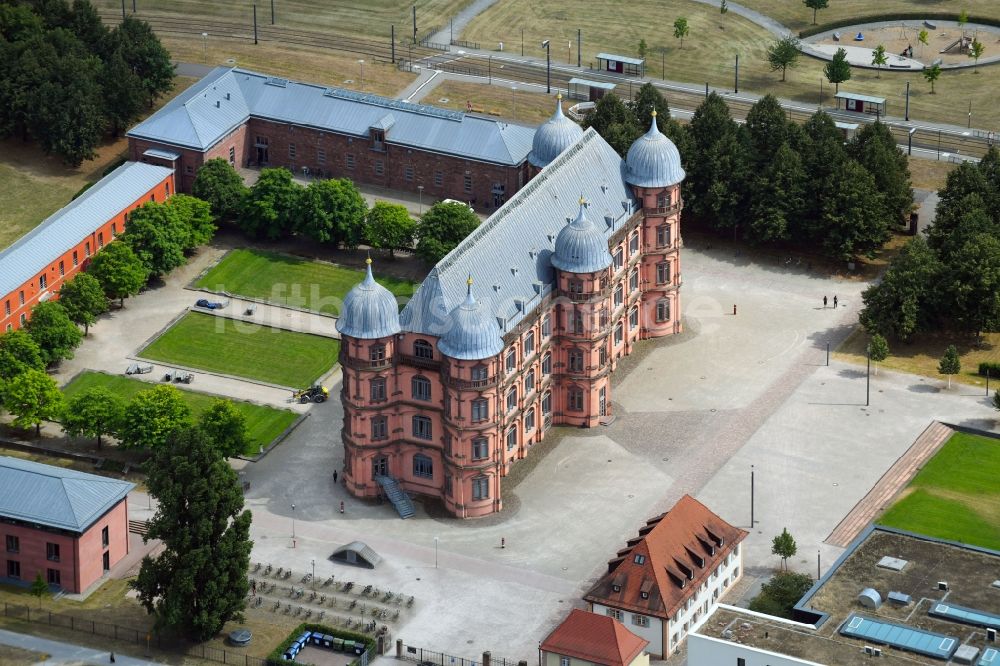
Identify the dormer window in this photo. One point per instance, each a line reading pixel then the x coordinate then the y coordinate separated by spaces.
pixel 644 595
pixel 616 588
pixel 378 139
pixel 640 559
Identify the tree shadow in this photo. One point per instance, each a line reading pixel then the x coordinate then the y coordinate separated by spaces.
pixel 923 388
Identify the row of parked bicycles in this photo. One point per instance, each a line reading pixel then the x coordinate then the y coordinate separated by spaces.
pixel 342 586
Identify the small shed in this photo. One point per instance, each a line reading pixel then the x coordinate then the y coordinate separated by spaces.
pixel 620 64
pixel 161 157
pixel 861 103
pixel 358 554
pixel 590 91
pixel 847 129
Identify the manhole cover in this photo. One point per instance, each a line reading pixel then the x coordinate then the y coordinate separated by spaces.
pixel 348 80
pixel 444 100
pixel 230 61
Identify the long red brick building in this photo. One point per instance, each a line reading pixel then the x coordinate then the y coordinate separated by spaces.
pixel 255 120
pixel 517 329
pixel 38 263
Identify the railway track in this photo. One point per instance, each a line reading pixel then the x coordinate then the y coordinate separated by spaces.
pixel 944 142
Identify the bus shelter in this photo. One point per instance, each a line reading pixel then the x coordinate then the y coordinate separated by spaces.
pixel 861 103
pixel 621 64
pixel 590 91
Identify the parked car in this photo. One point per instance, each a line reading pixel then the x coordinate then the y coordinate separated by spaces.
pixel 209 305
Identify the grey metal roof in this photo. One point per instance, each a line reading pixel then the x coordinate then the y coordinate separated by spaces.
pixel 604 85
pixel 162 154
pixel 61 231
pixel 581 247
pixel 621 58
pixel 554 136
pixel 208 111
pixel 861 98
pixel 360 549
pixel 508 256
pixel 474 332
pixel 55 496
pixel 370 310
pixel 653 160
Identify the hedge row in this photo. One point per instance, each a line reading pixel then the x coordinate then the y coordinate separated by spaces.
pixel 991 367
pixel 895 16
pixel 274 659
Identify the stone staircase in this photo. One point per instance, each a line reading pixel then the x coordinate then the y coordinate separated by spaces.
pixel 895 478
pixel 397 496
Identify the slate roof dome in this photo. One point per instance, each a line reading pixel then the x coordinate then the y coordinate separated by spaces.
pixel 474 333
pixel 580 246
pixel 556 135
pixel 370 310
pixel 653 160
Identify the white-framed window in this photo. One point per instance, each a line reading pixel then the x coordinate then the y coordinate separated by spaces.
pixel 511 361
pixel 563 661
pixel 547 364
pixel 640 620
pixel 232 155
pixel 481 488
pixel 529 420
pixel 529 382
pixel 547 403
pixel 663 235
pixel 619 295
pixel 633 281
pixel 512 438
pixel 618 333
pixel 43 281
pixel 614 612
pixel 480 373
pixel 633 244
pixel 619 259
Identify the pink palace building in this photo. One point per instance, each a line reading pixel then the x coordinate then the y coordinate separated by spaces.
pixel 518 328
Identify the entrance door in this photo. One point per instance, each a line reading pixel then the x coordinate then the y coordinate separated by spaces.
pixel 380 466
pixel 107 560
pixel 602 399
pixel 262 156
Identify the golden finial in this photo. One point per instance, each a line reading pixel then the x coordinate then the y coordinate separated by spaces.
pixel 654 113
pixel 469 281
pixel 558 95
pixel 368 261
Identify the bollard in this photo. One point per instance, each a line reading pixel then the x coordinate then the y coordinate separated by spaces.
pixel 399 648
pixel 342 506
pixel 503 542
pixel 734 308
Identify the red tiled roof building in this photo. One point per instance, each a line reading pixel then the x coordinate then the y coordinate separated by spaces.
pixel 668 578
pixel 593 639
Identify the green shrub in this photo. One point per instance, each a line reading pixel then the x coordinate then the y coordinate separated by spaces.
pixel 990 366
pixel 274 658
pixel 114 165
pixel 894 16
pixel 82 190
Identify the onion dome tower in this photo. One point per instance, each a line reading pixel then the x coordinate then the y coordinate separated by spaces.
pixel 653 160
pixel 370 310
pixel 580 246
pixel 556 135
pixel 474 333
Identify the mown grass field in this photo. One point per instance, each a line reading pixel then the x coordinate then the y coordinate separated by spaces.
pixel 797 16
pixel 265 354
pixel 286 280
pixel 955 496
pixel 923 353
pixel 521 106
pixel 709 51
pixel 34 185
pixel 263 423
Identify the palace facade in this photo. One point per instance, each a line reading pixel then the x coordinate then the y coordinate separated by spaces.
pixel 518 328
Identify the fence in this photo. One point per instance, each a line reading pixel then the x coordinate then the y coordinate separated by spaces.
pixel 130 635
pixel 427 657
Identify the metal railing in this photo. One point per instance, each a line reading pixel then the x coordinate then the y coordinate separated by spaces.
pixel 423 655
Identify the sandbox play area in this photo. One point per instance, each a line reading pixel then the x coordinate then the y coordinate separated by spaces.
pixel 947 43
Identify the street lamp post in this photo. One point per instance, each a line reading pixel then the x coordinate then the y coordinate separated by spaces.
pixel 420 193
pixel 752 521
pixel 868 376
pixel 435 552
pixel 293 522
pixel 548 68
pixel 513 101
pixel 313 579
pixel 204 41
pixel 362 63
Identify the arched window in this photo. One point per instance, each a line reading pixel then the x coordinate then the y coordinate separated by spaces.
pixel 423 349
pixel 529 420
pixel 547 403
pixel 529 382
pixel 574 399
pixel 512 438
pixel 529 343
pixel 481 487
pixel 423 466
pixel 547 364
pixel 421 388
pixel 512 399
pixel 663 310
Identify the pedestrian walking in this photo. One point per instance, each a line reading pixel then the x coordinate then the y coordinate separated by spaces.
pixel 824 306
pixel 503 542
pixel 835 300
pixel 335 476
pixel 253 587
pixel 112 657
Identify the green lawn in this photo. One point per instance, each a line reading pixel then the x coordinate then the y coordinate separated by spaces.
pixel 955 496
pixel 287 280
pixel 263 423
pixel 271 355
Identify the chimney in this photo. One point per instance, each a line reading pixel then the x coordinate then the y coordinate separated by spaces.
pixel 218 104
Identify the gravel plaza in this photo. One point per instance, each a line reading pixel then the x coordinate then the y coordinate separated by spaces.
pixel 693 413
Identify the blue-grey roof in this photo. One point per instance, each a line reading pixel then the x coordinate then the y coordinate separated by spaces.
pixel 508 256
pixel 162 154
pixel 55 496
pixel 620 58
pixel 370 310
pixel 474 332
pixel 976 618
pixel 61 231
pixel 900 636
pixel 581 247
pixel 554 136
pixel 653 160
pixel 209 110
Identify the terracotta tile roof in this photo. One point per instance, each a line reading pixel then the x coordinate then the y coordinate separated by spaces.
pixel 673 555
pixel 598 639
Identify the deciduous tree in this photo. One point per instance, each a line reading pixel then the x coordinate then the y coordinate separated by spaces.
pixel 442 228
pixel 879 59
pixel 976 50
pixel 878 350
pixel 779 197
pixel 681 29
pixel 18 352
pixel 158 234
pixel 153 418
pixel 32 397
pixel 83 299
pixel 971 290
pixel 39 588
pixel 852 213
pixel 269 208
pixel 615 123
pixel 196 216
pixel 784 547
pixel 782 54
pixel 226 428
pixel 779 595
pixel 719 166
pixel 838 70
pixel 221 186
pixel 950 363
pixel 816 5
pixel 874 147
pixel 199 581
pixel 932 74
pixel 146 56
pixel 898 305
pixel 389 227
pixel 52 329
pixel 93 412
pixel 120 272
pixel 331 211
